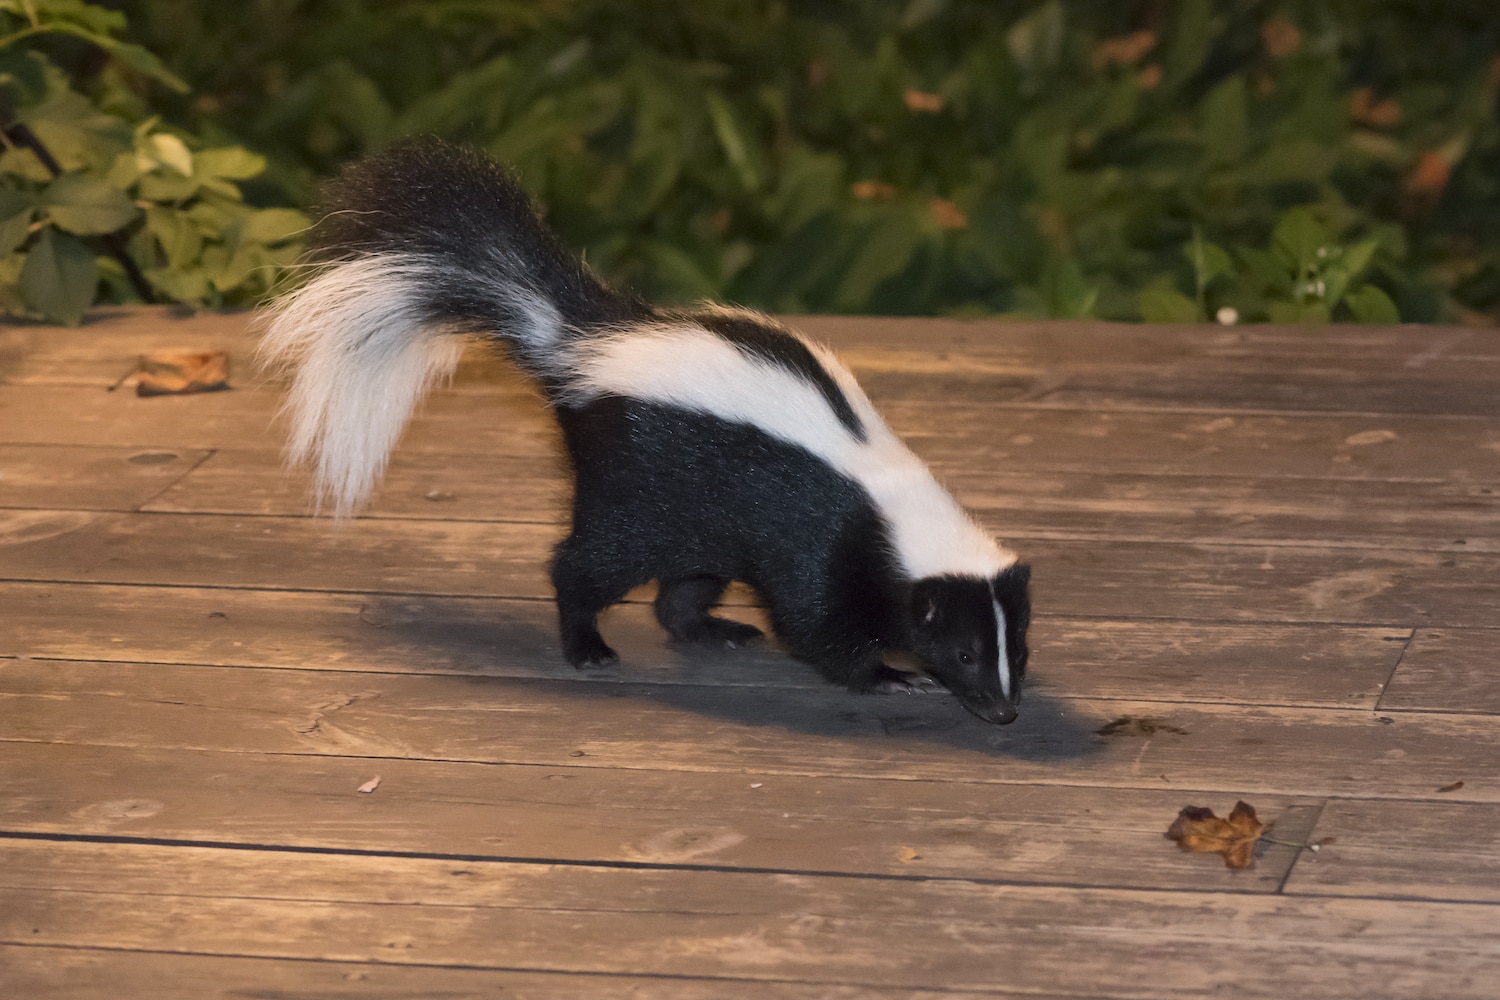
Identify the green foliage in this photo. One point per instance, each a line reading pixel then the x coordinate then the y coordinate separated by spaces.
pixel 91 203
pixel 1304 276
pixel 1298 161
pixel 921 156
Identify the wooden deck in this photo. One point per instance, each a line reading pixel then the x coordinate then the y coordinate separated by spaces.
pixel 1267 568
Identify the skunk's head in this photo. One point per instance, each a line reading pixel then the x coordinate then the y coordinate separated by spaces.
pixel 970 635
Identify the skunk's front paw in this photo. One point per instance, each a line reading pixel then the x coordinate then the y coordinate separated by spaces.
pixel 589 651
pixel 720 633
pixel 889 680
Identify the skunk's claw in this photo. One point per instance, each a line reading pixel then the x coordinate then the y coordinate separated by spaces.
pixel 889 680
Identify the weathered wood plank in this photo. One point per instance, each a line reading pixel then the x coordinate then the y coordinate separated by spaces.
pixel 1096 343
pixel 1421 850
pixel 522 488
pixel 1237 750
pixel 1054 835
pixel 1018 436
pixel 85 478
pixel 1309 665
pixel 1000 438
pixel 246 417
pixel 105 348
pixel 1442 516
pixel 1453 670
pixel 65 973
pixel 810 929
pixel 1114 579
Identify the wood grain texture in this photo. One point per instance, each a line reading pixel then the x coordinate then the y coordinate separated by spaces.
pixel 1238 535
pixel 1448 670
pixel 501 559
pixel 1022 834
pixel 951 434
pixel 69 973
pixel 102 350
pixel 1232 749
pixel 1310 665
pixel 84 478
pixel 1416 514
pixel 807 929
pixel 1432 849
pixel 527 489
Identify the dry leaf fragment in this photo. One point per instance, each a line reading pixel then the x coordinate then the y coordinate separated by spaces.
pixel 1198 829
pixel 1452 788
pixel 922 101
pixel 947 214
pixel 1126 50
pixel 907 855
pixel 177 373
pixel 370 785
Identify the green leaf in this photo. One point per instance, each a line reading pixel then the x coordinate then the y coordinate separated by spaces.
pixel 60 277
pixel 1036 41
pixel 1298 238
pixel 273 225
pixel 885 251
pixel 87 15
pixel 1224 121
pixel 229 162
pixel 175 232
pixel 1190 41
pixel 159 186
pixel 1299 313
pixel 189 285
pixel 168 149
pixel 14 230
pixel 1209 260
pixel 84 204
pixel 1356 258
pixel 1370 304
pixel 727 128
pixel 1068 294
pixel 1162 305
pixel 137 58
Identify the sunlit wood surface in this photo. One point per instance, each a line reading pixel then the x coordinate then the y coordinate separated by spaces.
pixel 1267 567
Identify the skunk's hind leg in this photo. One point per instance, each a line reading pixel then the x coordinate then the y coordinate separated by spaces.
pixel 586 585
pixel 682 607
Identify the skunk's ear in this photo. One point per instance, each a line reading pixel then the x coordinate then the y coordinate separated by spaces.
pixel 1011 590
pixel 926 609
pixel 1014 578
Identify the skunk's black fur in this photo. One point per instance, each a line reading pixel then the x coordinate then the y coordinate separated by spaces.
pixel 430 240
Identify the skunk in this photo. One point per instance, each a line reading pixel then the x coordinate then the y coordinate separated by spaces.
pixel 707 446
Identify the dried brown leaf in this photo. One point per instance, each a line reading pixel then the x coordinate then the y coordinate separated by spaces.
pixel 1198 829
pixel 923 102
pixel 177 373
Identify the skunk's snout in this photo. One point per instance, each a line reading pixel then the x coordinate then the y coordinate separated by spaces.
pixel 998 711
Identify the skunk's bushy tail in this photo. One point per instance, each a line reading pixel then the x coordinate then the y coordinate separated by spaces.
pixel 415 246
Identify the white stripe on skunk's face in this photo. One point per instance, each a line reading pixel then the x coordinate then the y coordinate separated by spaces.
pixel 686 365
pixel 958 633
pixel 1006 683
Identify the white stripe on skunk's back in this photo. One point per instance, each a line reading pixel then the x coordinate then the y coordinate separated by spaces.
pixel 688 366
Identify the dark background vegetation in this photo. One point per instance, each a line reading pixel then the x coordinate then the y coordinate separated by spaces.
pixel 1295 161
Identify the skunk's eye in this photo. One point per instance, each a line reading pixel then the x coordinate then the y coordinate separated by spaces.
pixel 965 659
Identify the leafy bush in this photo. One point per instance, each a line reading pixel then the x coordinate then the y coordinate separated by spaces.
pixel 94 196
pixel 1290 160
